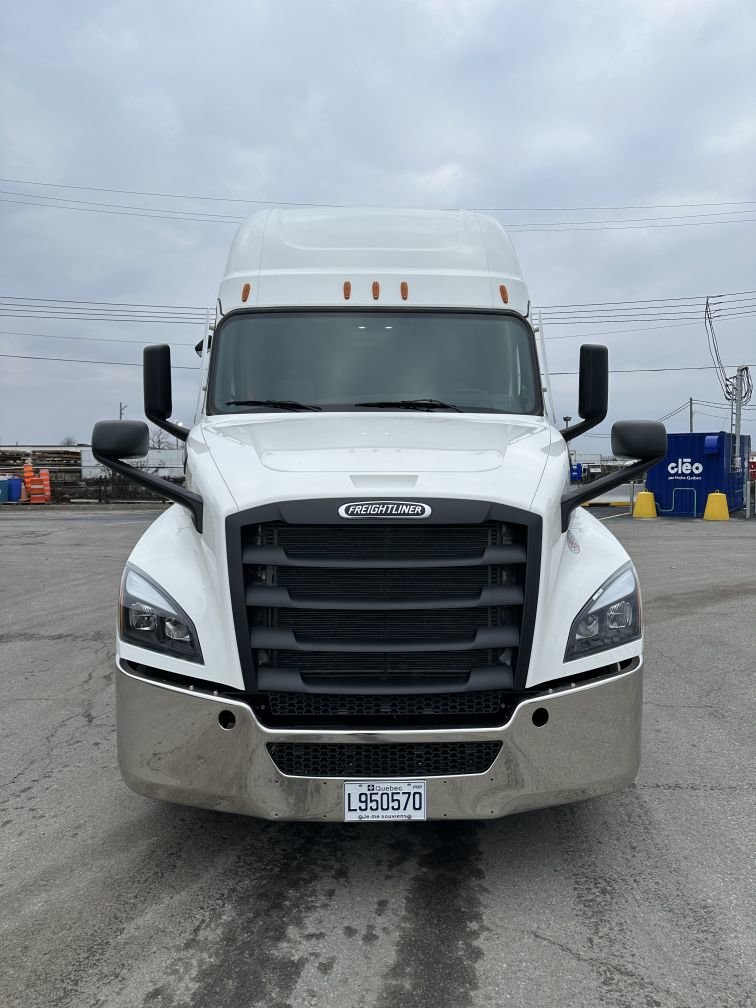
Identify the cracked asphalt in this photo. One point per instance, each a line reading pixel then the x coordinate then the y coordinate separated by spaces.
pixel 643 898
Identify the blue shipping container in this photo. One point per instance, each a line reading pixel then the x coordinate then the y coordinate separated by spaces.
pixel 695 466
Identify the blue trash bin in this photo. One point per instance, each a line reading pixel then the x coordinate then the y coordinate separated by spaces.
pixel 14 489
pixel 3 489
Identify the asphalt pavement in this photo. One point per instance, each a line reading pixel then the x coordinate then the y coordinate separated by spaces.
pixel 642 898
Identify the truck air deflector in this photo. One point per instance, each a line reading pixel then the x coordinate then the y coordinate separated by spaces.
pixel 376 605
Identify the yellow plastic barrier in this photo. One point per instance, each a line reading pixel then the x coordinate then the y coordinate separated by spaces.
pixel 716 507
pixel 645 505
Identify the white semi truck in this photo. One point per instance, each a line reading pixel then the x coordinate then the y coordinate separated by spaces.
pixel 376 596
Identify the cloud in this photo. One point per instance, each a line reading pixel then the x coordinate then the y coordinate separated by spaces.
pixel 426 104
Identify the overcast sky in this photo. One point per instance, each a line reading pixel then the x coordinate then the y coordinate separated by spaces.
pixel 440 103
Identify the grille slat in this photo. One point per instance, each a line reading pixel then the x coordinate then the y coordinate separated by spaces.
pixel 424 663
pixel 277 556
pixel 409 759
pixel 403 639
pixel 282 598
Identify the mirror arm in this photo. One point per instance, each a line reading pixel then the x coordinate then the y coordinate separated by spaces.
pixel 186 498
pixel 580 428
pixel 574 498
pixel 182 433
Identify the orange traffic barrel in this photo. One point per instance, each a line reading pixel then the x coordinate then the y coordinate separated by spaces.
pixel 28 474
pixel 37 490
pixel 44 475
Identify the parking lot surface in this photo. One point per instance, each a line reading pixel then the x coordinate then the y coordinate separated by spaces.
pixel 642 898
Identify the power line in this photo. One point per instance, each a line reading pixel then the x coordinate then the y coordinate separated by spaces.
pixel 617 332
pixel 548 228
pixel 699 367
pixel 578 320
pixel 692 297
pixel 713 416
pixel 105 207
pixel 74 360
pixel 544 227
pixel 650 311
pixel 200 310
pixel 226 218
pixel 668 416
pixel 720 406
pixel 103 318
pixel 86 339
pixel 69 360
pixel 123 213
pixel 258 202
pixel 113 304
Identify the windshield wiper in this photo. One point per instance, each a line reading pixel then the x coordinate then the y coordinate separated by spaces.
pixel 285 404
pixel 416 404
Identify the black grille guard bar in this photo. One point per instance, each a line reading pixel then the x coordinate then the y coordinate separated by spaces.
pixel 286 640
pixel 277 556
pixel 499 595
pixel 292 681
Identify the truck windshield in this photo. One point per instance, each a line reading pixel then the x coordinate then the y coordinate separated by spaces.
pixel 363 359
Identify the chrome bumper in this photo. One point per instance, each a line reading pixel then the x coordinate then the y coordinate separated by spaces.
pixel 171 746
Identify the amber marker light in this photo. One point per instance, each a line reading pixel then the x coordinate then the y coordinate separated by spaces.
pixel 376 290
pixel 245 291
pixel 347 290
pixel 404 289
pixel 504 294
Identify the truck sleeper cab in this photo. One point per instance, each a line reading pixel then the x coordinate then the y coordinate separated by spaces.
pixel 377 596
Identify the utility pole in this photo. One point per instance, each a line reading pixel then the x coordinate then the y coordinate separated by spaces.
pixel 690 406
pixel 122 407
pixel 739 386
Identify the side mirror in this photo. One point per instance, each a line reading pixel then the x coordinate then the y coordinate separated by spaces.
pixel 641 439
pixel 644 440
pixel 593 402
pixel 116 440
pixel 158 404
pixel 119 439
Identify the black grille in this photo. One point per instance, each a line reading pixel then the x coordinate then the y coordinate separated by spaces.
pixel 304 705
pixel 384 603
pixel 484 708
pixel 444 582
pixel 408 624
pixel 426 759
pixel 377 541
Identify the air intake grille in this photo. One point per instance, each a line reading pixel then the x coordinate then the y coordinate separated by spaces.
pixel 426 759
pixel 484 708
pixel 403 705
pixel 386 603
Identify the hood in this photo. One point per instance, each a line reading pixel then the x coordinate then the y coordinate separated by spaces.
pixel 280 457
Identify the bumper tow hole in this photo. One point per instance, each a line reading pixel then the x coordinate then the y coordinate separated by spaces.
pixel 226 720
pixel 540 717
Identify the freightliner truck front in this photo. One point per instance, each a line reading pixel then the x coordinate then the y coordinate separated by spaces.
pixel 376 596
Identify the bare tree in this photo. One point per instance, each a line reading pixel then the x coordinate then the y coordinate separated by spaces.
pixel 159 438
pixel 68 441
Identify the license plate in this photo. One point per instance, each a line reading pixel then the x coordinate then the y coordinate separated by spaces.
pixel 378 800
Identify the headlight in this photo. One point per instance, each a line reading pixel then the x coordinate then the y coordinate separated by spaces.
pixel 610 617
pixel 151 619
